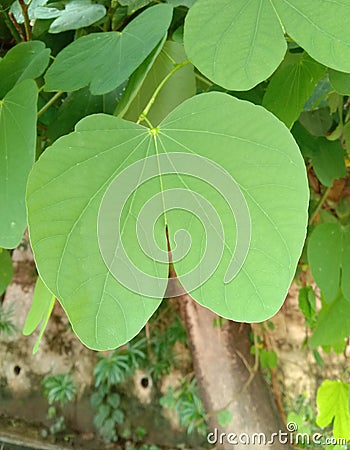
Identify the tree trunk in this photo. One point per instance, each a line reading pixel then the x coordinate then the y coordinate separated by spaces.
pixel 220 358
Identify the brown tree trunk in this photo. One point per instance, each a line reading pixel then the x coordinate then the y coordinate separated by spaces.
pixel 221 356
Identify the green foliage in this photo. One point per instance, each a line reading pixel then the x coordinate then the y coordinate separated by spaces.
pixel 59 390
pixel 307 304
pixel 333 405
pixel 188 406
pixel 6 324
pixel 6 270
pixel 72 69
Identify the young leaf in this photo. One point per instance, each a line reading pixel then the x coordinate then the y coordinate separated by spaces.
pixel 307 302
pixel 114 289
pixel 6 270
pixel 328 250
pixel 26 60
pixel 17 150
pixel 103 61
pixel 330 330
pixel 291 85
pixel 332 404
pixel 46 316
pixel 40 304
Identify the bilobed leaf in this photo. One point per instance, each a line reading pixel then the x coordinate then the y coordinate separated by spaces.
pixel 24 61
pixel 328 161
pixel 76 14
pixel 291 86
pixel 40 303
pixel 17 151
pixel 236 44
pixel 103 61
pixel 330 330
pixel 340 81
pixel 328 255
pixel 332 405
pixel 181 85
pixel 71 181
pixel 318 29
pixel 6 270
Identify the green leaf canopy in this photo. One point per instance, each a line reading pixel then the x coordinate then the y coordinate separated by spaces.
pixel 103 61
pixel 17 151
pixel 80 252
pixel 238 44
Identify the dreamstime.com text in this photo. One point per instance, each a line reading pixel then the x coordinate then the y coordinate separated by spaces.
pixel 290 437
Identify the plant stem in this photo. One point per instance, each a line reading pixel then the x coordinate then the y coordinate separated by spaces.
pixel 49 103
pixel 11 24
pixel 143 115
pixel 24 7
pixel 319 205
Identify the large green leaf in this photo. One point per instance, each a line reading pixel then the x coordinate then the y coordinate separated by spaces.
pixel 181 85
pixel 24 61
pixel 328 255
pixel 109 279
pixel 104 60
pixel 330 330
pixel 333 406
pixel 238 44
pixel 17 151
pixel 6 270
pixel 319 29
pixel 291 86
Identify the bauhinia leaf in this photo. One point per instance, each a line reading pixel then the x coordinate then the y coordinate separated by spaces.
pixel 26 60
pixel 332 403
pixel 97 200
pixel 291 86
pixel 340 81
pixel 103 61
pixel 17 151
pixel 328 255
pixel 238 44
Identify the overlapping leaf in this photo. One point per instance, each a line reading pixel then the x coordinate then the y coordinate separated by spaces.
pixel 68 183
pixel 6 270
pixel 24 61
pixel 103 61
pixel 239 44
pixel 17 151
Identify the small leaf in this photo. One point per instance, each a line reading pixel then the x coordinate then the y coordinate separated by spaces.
pixel 26 60
pixel 40 304
pixel 328 161
pixel 330 330
pixel 76 14
pixel 224 417
pixel 328 255
pixel 6 270
pixel 92 60
pixel 17 150
pixel 307 302
pixel 340 81
pixel 291 85
pixel 46 317
pixel 268 359
pixel 332 403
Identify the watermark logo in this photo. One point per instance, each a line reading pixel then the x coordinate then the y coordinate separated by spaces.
pixel 114 240
pixel 289 437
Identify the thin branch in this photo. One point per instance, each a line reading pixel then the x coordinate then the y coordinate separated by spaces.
pixel 14 27
pixel 24 7
pixel 49 103
pixel 319 205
